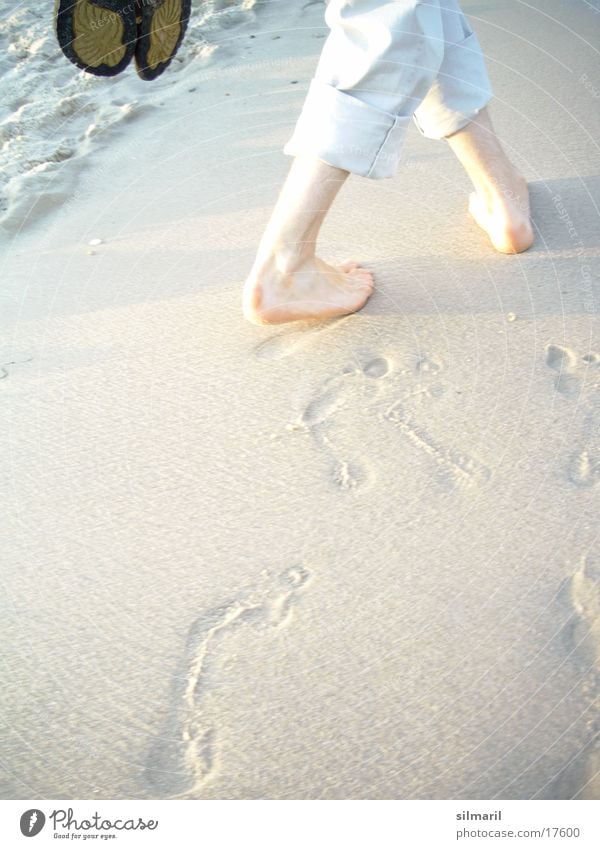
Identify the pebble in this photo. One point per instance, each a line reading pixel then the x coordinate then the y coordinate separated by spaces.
pixel 94 242
pixel 511 317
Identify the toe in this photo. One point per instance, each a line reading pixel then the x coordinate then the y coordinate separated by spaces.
pixel 362 280
pixel 350 265
pixel 364 276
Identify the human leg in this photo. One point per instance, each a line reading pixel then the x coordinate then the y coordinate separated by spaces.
pixel 378 62
pixel 500 202
pixel 455 109
pixel 288 281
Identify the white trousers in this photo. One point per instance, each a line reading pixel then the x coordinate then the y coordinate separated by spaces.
pixel 385 62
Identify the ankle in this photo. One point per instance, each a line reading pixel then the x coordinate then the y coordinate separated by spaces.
pixel 286 258
pixel 511 184
pixel 508 192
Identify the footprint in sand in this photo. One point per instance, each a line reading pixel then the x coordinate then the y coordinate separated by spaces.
pixel 348 473
pixel 375 379
pixel 585 643
pixel 585 599
pixel 572 372
pixel 187 751
pixel 575 379
pixel 583 636
pixel 580 594
pixel 455 467
pixel 378 384
pixel 563 361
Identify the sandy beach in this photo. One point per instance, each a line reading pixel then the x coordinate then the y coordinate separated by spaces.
pixel 356 559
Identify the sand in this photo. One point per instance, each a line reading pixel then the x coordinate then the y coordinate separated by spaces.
pixel 357 559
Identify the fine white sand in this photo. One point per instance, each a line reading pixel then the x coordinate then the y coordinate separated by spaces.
pixel 350 560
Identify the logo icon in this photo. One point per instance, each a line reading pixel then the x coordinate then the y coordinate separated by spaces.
pixel 32 822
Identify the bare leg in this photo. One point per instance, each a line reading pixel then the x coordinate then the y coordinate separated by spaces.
pixel 500 202
pixel 288 281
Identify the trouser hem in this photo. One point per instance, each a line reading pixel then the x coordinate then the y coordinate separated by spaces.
pixel 455 98
pixel 348 133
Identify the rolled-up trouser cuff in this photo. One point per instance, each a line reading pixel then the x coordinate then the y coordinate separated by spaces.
pixel 348 133
pixel 461 90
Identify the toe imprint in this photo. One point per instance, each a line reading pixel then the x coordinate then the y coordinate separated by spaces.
pixel 376 368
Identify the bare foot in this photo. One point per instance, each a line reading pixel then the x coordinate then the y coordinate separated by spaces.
pixel 503 212
pixel 500 203
pixel 310 289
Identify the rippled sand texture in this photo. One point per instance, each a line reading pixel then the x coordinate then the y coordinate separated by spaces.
pixel 351 559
